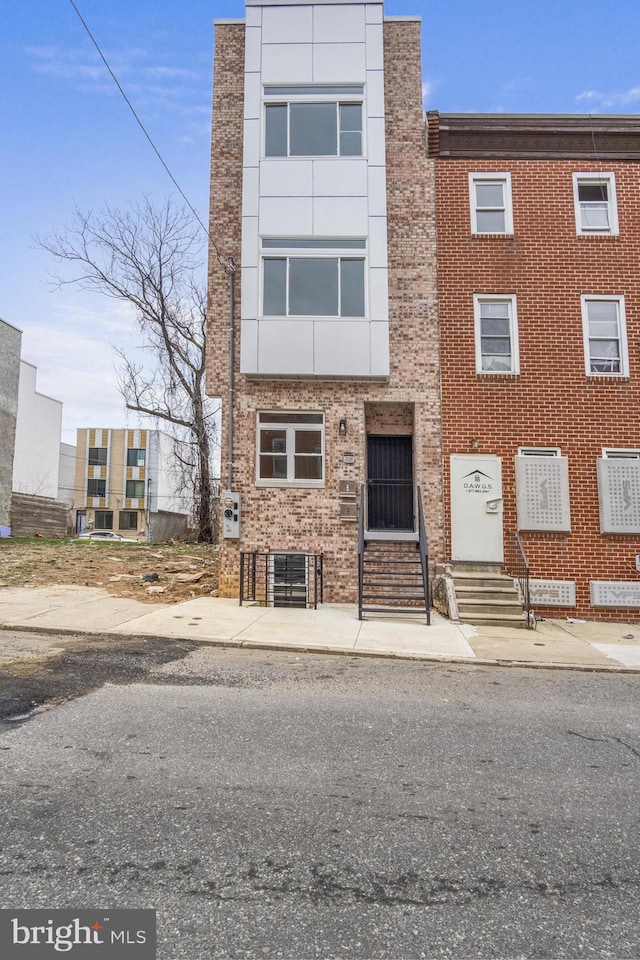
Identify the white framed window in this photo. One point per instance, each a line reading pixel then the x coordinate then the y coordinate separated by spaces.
pixel 605 336
pixel 313 121
pixel 609 453
pixel 313 278
pixel 290 449
pixel 594 199
pixel 496 328
pixel 490 202
pixel 539 452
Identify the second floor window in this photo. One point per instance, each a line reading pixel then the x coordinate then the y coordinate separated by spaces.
pixel 135 457
pixel 97 456
pixel 96 488
pixel 309 124
pixel 605 340
pixel 311 282
pixel 496 334
pixel 490 199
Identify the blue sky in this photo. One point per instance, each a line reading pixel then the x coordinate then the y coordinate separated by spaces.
pixel 69 140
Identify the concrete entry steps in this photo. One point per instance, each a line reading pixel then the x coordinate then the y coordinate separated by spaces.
pixel 485 596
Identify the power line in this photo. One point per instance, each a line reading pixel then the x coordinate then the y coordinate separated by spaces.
pixel 224 263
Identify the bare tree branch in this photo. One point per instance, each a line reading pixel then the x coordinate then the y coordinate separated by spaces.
pixel 150 257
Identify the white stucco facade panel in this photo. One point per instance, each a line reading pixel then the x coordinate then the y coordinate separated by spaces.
pixel 250 241
pixel 286 216
pixel 374 46
pixel 379 333
pixel 340 216
pixel 285 347
pixel 249 346
pixel 250 294
pixel 373 12
pixel 341 24
pixel 252 91
pixel 286 178
pixel 285 24
pixel 340 178
pixel 339 63
pixel 377 177
pixel 251 146
pixel 378 294
pixel 377 241
pixel 375 93
pixel 375 141
pixel 250 191
pixel 287 63
pixel 342 348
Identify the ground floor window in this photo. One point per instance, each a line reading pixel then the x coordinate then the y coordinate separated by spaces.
pixel 103 520
pixel 128 520
pixel 290 449
pixel 288 579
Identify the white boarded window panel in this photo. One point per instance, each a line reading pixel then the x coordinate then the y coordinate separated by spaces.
pixel 615 593
pixel 542 493
pixel 553 593
pixel 619 495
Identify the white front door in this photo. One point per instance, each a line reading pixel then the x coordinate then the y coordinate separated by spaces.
pixel 476 508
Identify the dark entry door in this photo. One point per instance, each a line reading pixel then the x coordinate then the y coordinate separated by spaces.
pixel 390 483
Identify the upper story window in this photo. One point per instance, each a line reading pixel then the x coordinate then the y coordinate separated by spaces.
pixel 290 449
pixel 136 457
pixel 134 489
pixel 490 199
pixel 96 488
pixel 594 197
pixel 605 336
pixel 496 334
pixel 97 456
pixel 313 278
pixel 539 452
pixel 310 121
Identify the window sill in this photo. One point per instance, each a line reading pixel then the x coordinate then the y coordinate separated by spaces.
pixel 492 236
pixel 291 484
pixel 486 375
pixel 608 378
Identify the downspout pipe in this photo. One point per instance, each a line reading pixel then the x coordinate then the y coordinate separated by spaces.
pixel 231 269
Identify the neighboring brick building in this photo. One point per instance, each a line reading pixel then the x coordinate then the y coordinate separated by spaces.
pixel 538 221
pixel 322 193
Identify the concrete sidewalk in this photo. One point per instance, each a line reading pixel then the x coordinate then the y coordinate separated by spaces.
pixel 332 628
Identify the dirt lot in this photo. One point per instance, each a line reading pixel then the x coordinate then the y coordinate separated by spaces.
pixel 174 572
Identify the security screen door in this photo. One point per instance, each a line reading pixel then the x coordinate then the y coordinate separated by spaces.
pixel 390 483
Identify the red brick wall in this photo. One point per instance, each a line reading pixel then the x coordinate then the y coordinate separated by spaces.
pixel 552 402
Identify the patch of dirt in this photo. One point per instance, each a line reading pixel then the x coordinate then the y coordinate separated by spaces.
pixel 174 572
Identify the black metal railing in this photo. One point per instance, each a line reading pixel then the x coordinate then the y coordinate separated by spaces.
pixel 517 566
pixel 360 551
pixel 423 547
pixel 278 579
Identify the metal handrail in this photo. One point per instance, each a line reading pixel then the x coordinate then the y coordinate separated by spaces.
pixel 518 567
pixel 423 547
pixel 257 581
pixel 360 551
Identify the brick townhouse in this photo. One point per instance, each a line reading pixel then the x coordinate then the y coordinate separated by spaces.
pixel 538 221
pixel 322 192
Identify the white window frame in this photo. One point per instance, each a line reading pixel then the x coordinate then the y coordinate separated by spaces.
pixel 597 178
pixel 539 452
pixel 505 180
pixel 511 299
pixel 325 249
pixel 587 298
pixel 617 453
pixel 283 423
pixel 347 93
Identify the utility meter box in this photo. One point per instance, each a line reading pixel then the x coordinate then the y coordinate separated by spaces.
pixel 230 515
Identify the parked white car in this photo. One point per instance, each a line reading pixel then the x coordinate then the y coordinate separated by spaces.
pixel 108 535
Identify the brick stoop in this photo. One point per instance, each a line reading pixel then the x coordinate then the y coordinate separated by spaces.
pixel 487 597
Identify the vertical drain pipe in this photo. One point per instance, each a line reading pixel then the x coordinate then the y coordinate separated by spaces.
pixel 231 268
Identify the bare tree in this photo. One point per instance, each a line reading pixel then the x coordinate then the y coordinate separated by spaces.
pixel 151 257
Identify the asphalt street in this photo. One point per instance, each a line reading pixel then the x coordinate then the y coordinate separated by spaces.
pixel 271 804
